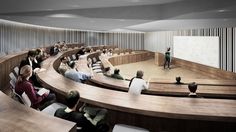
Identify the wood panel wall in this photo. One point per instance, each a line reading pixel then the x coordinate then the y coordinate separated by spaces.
pixel 131 58
pixel 159 41
pixel 7 64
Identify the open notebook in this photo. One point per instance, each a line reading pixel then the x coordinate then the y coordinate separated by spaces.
pixel 43 91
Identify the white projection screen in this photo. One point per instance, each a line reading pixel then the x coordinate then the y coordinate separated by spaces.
pixel 198 49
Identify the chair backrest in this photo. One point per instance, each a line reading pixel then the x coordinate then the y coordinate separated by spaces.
pixel 68 58
pixel 94 60
pixel 51 109
pixel 17 96
pixel 13 84
pixel 13 77
pixel 73 57
pixel 128 128
pixel 26 99
pixel 16 70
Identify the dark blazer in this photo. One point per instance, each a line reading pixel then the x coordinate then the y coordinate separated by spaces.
pixel 76 117
pixel 26 62
pixel 34 65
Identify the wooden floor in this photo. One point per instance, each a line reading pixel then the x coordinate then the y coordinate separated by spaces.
pixel 151 70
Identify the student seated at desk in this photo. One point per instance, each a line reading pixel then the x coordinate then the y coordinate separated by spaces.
pixel 75 75
pixel 24 86
pixel 137 84
pixel 64 47
pixel 31 60
pixel 192 89
pixel 103 54
pixel 63 66
pixel 54 50
pixel 40 56
pixel 117 75
pixel 89 119
pixel 107 71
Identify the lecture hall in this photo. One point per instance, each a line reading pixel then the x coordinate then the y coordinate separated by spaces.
pixel 118 66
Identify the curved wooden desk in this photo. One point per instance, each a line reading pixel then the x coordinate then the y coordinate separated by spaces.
pixel 209 88
pixel 200 68
pixel 17 117
pixel 216 110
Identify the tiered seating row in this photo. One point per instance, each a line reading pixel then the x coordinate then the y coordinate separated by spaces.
pixel 205 112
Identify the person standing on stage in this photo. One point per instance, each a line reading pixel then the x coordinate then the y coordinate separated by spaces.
pixel 167 58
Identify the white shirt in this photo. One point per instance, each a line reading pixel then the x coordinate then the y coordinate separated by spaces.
pixel 137 85
pixel 30 62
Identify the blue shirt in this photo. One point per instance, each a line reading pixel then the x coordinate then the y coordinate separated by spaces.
pixel 76 75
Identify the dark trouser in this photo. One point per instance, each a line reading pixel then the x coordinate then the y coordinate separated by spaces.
pixel 51 98
pixel 167 61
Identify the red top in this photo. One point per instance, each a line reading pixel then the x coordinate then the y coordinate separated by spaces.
pixel 29 89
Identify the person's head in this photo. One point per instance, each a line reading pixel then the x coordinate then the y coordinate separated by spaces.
pixel 63 59
pixel 139 74
pixel 39 51
pixel 25 73
pixel 72 64
pixel 168 49
pixel 31 54
pixel 178 79
pixel 72 99
pixel 57 45
pixel 192 87
pixel 104 51
pixel 116 71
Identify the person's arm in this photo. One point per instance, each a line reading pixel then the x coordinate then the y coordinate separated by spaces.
pixel 146 84
pixel 34 98
pixel 120 77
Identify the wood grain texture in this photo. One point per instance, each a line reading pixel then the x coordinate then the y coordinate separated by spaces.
pixel 209 88
pixel 15 117
pixel 203 69
pixel 155 106
pixel 129 58
pixel 7 64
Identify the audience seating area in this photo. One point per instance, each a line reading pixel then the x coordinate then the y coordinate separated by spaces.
pixel 147 112
pixel 209 88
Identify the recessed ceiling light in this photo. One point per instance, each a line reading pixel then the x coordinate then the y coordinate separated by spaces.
pixel 63 15
pixel 75 6
pixel 48 9
pixel 136 1
pixel 222 10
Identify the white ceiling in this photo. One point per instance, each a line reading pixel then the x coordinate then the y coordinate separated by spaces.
pixel 106 15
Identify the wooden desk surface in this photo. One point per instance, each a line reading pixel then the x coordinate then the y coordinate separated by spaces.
pixel 159 86
pixel 156 106
pixel 213 82
pixel 203 90
pixel 17 117
pixel 209 91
